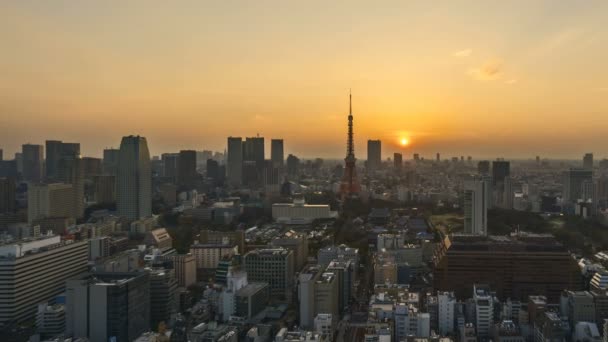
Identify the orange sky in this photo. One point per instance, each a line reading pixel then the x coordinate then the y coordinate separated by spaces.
pixel 514 79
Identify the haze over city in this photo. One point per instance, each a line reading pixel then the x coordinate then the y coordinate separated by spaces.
pixel 303 171
pixel 512 79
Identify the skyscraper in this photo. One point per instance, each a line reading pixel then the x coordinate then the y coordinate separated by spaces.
pixel 588 161
pixel 276 151
pixel 350 182
pixel 254 150
pixel 483 167
pixel 133 183
pixel 293 164
pixel 33 162
pixel 186 170
pixel 213 169
pixel 234 163
pixel 475 207
pixel 110 161
pixel 70 170
pixel 507 193
pixel 55 151
pixel 398 161
pixel 7 195
pixel 573 182
pixel 108 306
pixel 374 155
pixel 170 164
pixel 272 176
pixel 500 170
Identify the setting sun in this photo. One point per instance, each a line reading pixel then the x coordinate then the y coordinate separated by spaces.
pixel 404 142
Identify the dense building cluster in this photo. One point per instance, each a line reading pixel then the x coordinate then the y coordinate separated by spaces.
pixel 207 246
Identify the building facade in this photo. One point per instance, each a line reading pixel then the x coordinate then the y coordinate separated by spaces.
pixel 134 180
pixel 35 271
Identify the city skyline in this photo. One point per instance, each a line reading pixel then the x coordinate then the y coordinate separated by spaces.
pixel 455 78
pixel 328 171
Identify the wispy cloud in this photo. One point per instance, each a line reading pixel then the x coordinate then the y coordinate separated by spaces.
pixel 564 38
pixel 511 81
pixel 462 53
pixel 490 70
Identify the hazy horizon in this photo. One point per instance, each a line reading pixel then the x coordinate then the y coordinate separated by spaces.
pixel 511 79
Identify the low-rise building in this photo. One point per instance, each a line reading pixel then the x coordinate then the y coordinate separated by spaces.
pixel 251 299
pixel 50 320
pixel 207 256
pixel 325 324
pixel 273 266
pixel 185 269
pixel 159 238
pixel 299 212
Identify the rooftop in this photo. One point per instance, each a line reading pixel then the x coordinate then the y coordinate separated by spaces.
pixel 24 247
pixel 251 289
pixel 517 243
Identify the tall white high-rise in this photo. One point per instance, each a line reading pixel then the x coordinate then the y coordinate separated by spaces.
pixel 475 207
pixel 133 184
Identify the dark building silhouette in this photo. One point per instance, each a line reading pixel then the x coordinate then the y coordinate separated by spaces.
pixel 573 183
pixel 253 150
pixel 500 170
pixel 92 167
pixel 515 267
pixel 170 165
pixel 110 161
pixel 213 169
pixel 234 161
pixel 588 161
pixel 483 167
pixel 272 176
pixel 276 151
pixel 57 150
pixel 33 162
pixel 134 179
pixel 398 161
pixel 7 195
pixel 250 173
pixel 374 155
pixel 293 165
pixel 186 170
pixel 8 168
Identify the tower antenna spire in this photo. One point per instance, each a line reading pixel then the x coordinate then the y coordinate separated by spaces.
pixel 350 102
pixel 350 184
